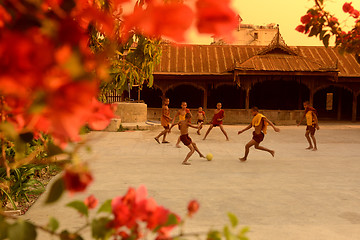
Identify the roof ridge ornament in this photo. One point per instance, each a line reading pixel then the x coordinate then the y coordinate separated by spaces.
pixel 277 42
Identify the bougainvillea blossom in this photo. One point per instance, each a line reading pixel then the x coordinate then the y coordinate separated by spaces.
pixel 216 17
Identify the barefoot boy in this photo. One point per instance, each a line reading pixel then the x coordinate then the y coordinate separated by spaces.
pixel 201 117
pixel 259 122
pixel 217 120
pixel 312 124
pixel 181 114
pixel 184 137
pixel 165 121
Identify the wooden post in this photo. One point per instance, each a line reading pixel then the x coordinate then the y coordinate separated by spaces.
pixel 339 105
pixel 311 98
pixel 354 107
pixel 205 99
pixel 247 99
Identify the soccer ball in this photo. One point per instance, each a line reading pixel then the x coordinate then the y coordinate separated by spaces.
pixel 209 157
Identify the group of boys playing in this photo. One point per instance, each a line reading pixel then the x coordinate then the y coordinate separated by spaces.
pixel 259 122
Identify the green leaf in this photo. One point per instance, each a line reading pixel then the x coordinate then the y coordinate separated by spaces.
pixel 233 219
pixel 322 33
pixel 227 233
pixel 22 230
pixel 65 235
pixel 214 235
pixel 242 233
pixel 56 191
pixel 54 150
pixel 105 207
pixel 326 40
pixel 53 224
pixel 314 31
pixel 79 206
pixel 99 228
pixel 3 228
pixel 172 220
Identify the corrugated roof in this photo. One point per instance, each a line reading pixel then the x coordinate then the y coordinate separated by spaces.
pixel 220 59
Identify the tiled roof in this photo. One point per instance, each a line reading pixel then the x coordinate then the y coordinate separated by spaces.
pixel 221 59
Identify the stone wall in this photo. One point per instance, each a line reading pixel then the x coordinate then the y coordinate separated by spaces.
pixel 239 116
pixel 130 112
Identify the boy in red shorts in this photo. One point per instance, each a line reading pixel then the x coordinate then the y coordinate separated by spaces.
pixel 312 124
pixel 201 117
pixel 186 140
pixel 259 122
pixel 217 120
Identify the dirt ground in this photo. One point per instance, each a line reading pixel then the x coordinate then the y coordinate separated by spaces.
pixel 298 194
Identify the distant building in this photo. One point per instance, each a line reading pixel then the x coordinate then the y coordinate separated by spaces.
pixel 249 34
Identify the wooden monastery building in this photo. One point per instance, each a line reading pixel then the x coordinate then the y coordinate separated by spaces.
pixel 276 78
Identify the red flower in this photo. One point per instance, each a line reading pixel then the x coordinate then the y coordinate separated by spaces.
pixel 5 17
pixel 193 207
pixel 333 20
pixel 216 17
pixel 170 20
pixel 300 28
pixel 135 207
pixel 100 115
pixel 77 178
pixel 348 8
pixel 91 202
pixel 306 18
pixel 355 14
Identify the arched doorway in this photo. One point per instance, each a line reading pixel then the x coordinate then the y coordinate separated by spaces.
pixel 231 97
pixel 151 96
pixel 282 95
pixel 341 98
pixel 185 93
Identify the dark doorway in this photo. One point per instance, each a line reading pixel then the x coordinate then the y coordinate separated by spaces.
pixel 346 103
pixel 231 97
pixel 151 96
pixel 185 93
pixel 279 95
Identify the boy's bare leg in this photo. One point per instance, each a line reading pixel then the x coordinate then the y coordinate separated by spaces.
pixel 308 139
pixel 272 152
pixel 164 136
pixel 197 150
pixel 199 127
pixel 178 143
pixel 314 140
pixel 247 148
pixel 192 150
pixel 224 132
pixel 164 132
pixel 207 132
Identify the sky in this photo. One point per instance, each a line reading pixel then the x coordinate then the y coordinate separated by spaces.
pixel 286 13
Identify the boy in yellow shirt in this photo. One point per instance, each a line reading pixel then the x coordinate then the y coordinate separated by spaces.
pixel 259 122
pixel 312 124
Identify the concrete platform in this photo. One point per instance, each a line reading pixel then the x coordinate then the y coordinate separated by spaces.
pixel 298 195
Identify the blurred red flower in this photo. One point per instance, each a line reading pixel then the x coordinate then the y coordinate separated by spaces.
pixel 193 207
pixel 77 178
pixel 91 202
pixel 216 17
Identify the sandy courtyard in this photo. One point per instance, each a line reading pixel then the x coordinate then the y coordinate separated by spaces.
pixel 299 194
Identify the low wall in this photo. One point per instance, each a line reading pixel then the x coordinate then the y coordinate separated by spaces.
pixel 237 116
pixel 130 112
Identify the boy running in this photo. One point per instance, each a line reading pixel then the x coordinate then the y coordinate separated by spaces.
pixel 312 124
pixel 165 121
pixel 181 114
pixel 186 140
pixel 201 117
pixel 217 120
pixel 259 122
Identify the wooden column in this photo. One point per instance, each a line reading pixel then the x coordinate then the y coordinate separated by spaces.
pixel 247 98
pixel 354 107
pixel 205 98
pixel 339 105
pixel 311 98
